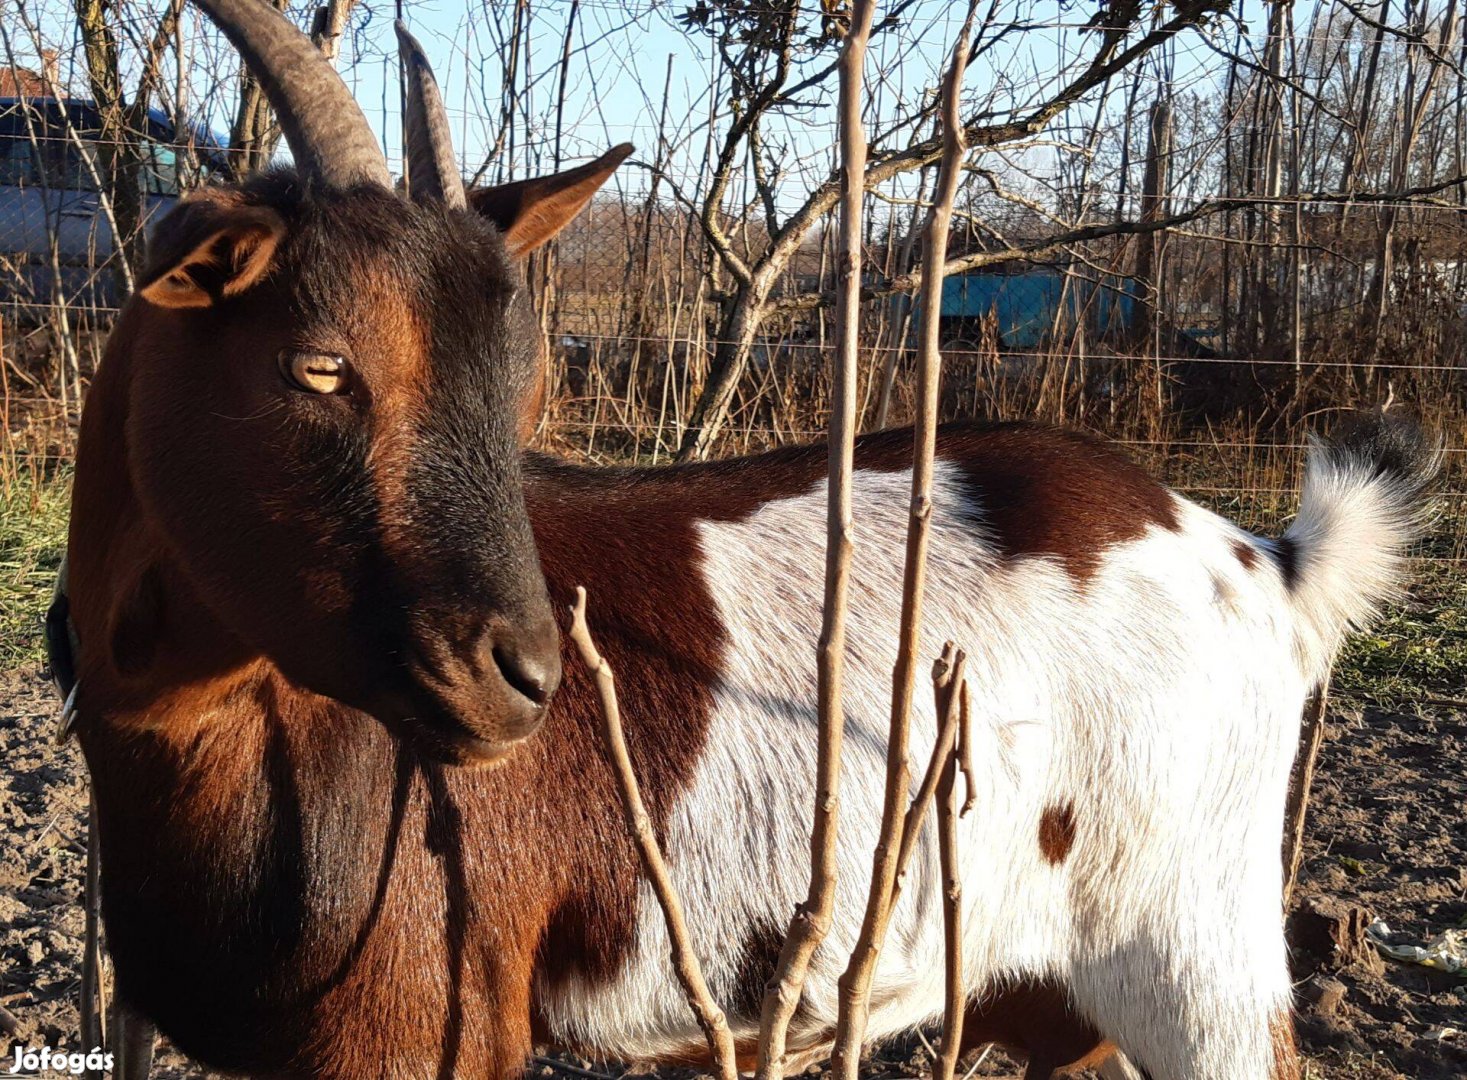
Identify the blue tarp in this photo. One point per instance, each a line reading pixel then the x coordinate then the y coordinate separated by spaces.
pixel 1025 305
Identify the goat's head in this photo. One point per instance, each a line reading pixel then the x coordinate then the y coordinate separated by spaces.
pixel 329 384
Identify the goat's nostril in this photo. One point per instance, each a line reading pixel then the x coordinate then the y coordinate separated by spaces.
pixel 534 676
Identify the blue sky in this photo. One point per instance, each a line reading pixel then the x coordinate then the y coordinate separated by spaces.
pixel 620 67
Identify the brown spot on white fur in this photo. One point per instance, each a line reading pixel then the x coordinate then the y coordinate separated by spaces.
pixel 1036 486
pixel 1057 832
pixel 1246 554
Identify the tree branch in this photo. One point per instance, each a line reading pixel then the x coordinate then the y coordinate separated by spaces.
pixel 904 283
pixel 812 918
pixel 897 836
pixel 685 960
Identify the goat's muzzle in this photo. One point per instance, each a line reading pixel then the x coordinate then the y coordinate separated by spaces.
pixel 475 699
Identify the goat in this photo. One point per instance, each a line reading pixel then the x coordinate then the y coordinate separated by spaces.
pixel 354 817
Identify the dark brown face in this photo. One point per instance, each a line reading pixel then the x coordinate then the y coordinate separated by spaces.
pixel 332 451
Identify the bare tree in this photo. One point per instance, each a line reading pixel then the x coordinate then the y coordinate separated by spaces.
pixel 124 122
pixel 1116 49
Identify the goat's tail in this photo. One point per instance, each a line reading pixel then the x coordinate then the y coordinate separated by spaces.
pixel 1365 500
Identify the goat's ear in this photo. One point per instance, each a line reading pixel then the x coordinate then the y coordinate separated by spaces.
pixel 530 212
pixel 213 244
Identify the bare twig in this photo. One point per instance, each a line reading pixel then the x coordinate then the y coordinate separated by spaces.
pixel 1300 781
pixel 949 668
pixel 965 749
pixel 811 920
pixel 948 688
pixel 93 998
pixel 1411 37
pixel 1445 703
pixel 979 1060
pixel 328 24
pixel 855 982
pixel 949 672
pixel 684 958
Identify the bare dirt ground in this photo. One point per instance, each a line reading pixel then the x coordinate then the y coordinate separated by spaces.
pixel 1387 839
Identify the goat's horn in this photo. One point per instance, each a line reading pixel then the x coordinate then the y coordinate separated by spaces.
pixel 326 131
pixel 432 173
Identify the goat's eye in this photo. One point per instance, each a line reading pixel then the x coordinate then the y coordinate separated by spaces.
pixel 315 373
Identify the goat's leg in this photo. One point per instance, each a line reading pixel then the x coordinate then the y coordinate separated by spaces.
pixel 1040 1067
pixel 133 1040
pixel 1212 1018
pixel 1036 1017
pixel 1104 1059
pixel 1203 991
pixel 1180 955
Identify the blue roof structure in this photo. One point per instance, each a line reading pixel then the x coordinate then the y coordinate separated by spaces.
pixel 1027 305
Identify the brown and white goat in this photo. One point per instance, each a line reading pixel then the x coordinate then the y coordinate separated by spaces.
pixel 353 821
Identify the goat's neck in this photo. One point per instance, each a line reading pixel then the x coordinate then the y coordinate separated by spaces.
pixel 292 866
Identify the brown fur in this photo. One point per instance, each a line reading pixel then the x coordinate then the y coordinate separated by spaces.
pixel 399 914
pixel 531 212
pixel 1246 554
pixel 1035 1017
pixel 291 887
pixel 1057 832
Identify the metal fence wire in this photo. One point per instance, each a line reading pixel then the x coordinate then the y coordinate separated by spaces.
pixel 1201 258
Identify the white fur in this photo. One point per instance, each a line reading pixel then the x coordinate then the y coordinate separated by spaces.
pixel 1348 537
pixel 1162 698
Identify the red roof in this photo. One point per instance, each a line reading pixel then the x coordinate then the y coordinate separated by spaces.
pixel 16 81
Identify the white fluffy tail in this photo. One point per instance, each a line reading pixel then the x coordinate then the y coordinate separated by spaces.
pixel 1364 502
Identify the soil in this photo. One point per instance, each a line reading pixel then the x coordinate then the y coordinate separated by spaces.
pixel 1387 840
